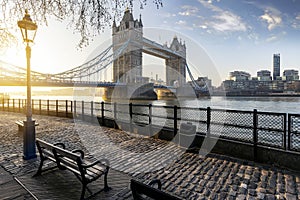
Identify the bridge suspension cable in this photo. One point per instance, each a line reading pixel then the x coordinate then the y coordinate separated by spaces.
pixel 195 84
pixel 95 65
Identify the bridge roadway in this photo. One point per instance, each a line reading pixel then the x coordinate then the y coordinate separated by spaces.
pixel 53 83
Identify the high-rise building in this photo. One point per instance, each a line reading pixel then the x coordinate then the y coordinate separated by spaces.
pixel 276 66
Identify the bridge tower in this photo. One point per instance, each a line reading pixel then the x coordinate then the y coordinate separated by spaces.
pixel 175 65
pixel 127 68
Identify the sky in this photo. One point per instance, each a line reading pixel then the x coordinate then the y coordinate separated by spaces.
pixel 220 35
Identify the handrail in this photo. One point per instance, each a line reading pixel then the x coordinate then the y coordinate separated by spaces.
pixel 266 129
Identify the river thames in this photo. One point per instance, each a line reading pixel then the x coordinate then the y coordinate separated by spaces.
pixel 267 104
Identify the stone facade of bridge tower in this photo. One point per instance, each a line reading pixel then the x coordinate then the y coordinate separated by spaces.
pixel 127 67
pixel 175 65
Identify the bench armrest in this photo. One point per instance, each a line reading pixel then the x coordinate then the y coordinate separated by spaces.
pixel 79 151
pixel 60 144
pixel 101 161
pixel 156 181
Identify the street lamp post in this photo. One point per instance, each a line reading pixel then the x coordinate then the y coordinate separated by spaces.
pixel 28 29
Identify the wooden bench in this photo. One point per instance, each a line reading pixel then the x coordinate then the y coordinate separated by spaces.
pixel 142 191
pixel 74 161
pixel 20 124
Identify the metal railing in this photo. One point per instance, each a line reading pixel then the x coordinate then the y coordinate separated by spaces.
pixel 264 129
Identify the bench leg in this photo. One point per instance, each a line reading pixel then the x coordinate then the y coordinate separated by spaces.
pixel 106 187
pixel 83 191
pixel 40 168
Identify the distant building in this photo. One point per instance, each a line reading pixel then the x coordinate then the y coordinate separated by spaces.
pixel 264 75
pixel 276 66
pixel 239 76
pixel 202 81
pixel 290 75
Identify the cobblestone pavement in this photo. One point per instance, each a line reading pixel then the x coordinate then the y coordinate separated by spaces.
pixel 188 175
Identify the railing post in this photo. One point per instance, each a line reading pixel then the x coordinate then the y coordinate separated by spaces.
pixel 208 118
pixel 289 131
pixel 115 111
pixel 71 106
pixel 115 115
pixel 92 109
pixel 56 105
pixel 24 105
pixel 19 105
pixel 3 103
pixel 32 106
pixel 102 112
pixel 175 120
pixel 284 132
pixel 255 136
pixel 8 105
pixel 82 110
pixel 66 108
pixel 48 106
pixel 74 108
pixel 150 119
pixel 40 105
pixel 13 105
pixel 130 116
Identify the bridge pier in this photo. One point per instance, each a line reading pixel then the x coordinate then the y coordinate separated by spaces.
pixel 133 91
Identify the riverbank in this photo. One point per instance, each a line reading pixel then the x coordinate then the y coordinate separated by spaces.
pixel 188 175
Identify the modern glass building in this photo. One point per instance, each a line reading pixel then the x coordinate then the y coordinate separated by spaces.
pixel 276 66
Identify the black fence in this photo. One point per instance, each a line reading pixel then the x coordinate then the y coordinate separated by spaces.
pixel 260 129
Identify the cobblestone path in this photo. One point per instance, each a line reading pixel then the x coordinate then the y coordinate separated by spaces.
pixel 188 175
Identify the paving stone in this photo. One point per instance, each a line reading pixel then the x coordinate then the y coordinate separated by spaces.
pixel 243 190
pixel 260 195
pixel 222 195
pixel 252 192
pixel 232 193
pixel 290 196
pixel 270 197
pixel 206 192
pixel 250 198
pixel 241 197
pixel 290 188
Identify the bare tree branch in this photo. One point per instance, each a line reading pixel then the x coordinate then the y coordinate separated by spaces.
pixel 87 17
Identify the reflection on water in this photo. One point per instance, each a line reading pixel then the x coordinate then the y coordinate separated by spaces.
pixel 268 104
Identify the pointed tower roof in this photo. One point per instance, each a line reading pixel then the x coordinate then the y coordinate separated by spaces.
pixel 127 16
pixel 114 23
pixel 141 23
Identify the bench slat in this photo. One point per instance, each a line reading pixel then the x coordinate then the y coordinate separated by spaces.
pixel 74 161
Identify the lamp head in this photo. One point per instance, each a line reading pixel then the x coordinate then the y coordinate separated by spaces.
pixel 28 28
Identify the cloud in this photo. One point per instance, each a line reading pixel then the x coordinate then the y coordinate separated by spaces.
pixel 189 10
pixel 296 22
pixel 224 21
pixel 274 38
pixel 272 16
pixel 168 15
pixel 200 26
pixel 183 24
pixel 228 21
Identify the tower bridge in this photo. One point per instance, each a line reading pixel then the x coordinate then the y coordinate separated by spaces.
pixel 125 56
